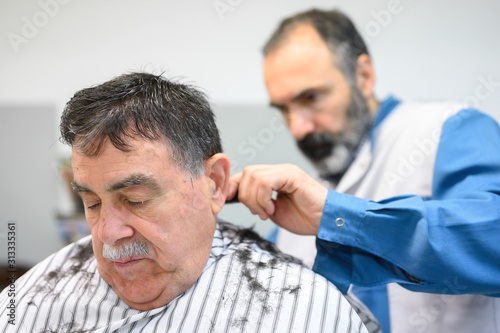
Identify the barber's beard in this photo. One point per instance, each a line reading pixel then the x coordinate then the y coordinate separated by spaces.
pixel 331 155
pixel 126 250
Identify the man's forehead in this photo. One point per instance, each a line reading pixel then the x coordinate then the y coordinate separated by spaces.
pixel 124 143
pixel 304 33
pixel 146 163
pixel 301 38
pixel 299 63
pixel 138 148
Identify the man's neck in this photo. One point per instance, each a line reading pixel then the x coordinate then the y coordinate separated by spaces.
pixel 373 105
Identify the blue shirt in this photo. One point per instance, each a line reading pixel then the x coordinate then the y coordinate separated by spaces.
pixel 448 243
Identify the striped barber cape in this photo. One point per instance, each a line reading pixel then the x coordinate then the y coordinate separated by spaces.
pixel 247 286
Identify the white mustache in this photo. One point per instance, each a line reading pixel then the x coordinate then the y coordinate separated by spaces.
pixel 117 252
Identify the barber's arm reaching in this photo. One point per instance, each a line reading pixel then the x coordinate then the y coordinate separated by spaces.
pixel 444 243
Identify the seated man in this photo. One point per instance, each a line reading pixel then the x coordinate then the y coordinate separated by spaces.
pixel 147 163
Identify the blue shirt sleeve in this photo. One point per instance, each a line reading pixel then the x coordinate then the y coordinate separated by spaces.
pixel 448 243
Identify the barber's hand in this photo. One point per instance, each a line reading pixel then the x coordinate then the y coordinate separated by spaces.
pixel 300 199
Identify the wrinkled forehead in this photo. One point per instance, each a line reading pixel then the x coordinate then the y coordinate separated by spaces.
pixel 92 142
pixel 141 156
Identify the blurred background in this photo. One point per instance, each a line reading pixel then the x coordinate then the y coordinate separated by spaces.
pixel 422 50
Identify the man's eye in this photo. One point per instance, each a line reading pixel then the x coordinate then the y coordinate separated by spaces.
pixel 311 97
pixel 93 206
pixel 281 108
pixel 284 111
pixel 135 203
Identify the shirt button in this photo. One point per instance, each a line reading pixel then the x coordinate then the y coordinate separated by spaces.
pixel 339 222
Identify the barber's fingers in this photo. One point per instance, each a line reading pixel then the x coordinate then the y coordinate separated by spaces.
pixel 245 186
pixel 256 188
pixel 234 182
pixel 264 199
pixel 257 184
pixel 298 206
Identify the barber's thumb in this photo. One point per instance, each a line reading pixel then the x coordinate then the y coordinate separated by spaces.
pixel 233 189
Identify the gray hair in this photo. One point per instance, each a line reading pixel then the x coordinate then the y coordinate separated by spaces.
pixel 336 30
pixel 117 252
pixel 147 106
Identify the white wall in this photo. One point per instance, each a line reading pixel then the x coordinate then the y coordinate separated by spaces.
pixel 429 49
pixel 28 186
pixel 422 49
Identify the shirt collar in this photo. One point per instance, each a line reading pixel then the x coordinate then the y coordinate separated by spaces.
pixel 385 109
pixel 387 106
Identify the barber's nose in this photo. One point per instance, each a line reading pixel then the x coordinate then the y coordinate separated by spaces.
pixel 301 124
pixel 113 225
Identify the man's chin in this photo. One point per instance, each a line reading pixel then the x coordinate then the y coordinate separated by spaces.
pixel 333 164
pixel 147 290
pixel 140 294
pixel 134 290
pixel 141 304
pixel 316 153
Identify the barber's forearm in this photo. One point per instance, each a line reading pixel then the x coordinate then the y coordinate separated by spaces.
pixel 423 244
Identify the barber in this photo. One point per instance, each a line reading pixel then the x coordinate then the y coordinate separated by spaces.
pixel 409 193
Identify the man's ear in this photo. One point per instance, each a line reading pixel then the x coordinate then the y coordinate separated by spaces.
pixel 217 169
pixel 365 76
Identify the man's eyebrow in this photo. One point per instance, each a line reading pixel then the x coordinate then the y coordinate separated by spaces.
pixel 80 188
pixel 298 96
pixel 134 180
pixel 301 94
pixel 308 91
pixel 276 105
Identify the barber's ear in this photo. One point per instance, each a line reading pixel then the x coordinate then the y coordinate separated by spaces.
pixel 217 169
pixel 365 75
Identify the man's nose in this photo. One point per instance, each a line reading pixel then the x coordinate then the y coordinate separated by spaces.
pixel 113 224
pixel 301 124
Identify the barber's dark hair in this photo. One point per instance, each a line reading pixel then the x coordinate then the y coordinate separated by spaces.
pixel 146 106
pixel 336 30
